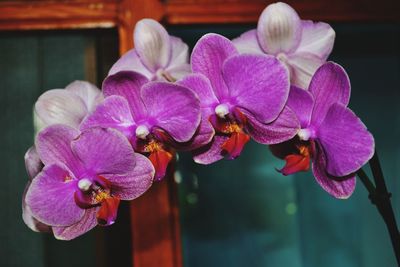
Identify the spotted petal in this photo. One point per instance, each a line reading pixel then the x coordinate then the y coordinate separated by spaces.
pixel 84 225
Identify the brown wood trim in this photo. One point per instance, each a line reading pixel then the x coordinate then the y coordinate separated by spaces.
pixel 57 15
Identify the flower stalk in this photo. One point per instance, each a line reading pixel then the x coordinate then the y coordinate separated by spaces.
pixel 380 197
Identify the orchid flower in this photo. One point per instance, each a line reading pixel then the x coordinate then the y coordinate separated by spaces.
pixel 66 106
pixel 156 55
pixel 330 134
pixel 152 115
pixel 85 175
pixel 241 97
pixel 301 45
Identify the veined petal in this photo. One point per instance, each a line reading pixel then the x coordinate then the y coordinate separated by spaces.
pixel 301 102
pixel 33 164
pixel 317 38
pixel 346 141
pixel 130 61
pixel 113 112
pixel 60 106
pixel 51 197
pixel 152 44
pixel 257 83
pixel 53 145
pixel 131 185
pixel 280 130
pixel 302 66
pixel 175 108
pixel 208 56
pixel 88 92
pixel 329 85
pixel 248 43
pixel 210 153
pixel 87 223
pixel 279 29
pixel 127 84
pixel 199 84
pixel 104 151
pixel 339 187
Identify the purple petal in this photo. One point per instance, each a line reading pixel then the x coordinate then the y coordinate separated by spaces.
pixel 280 130
pixel 130 61
pixel 87 223
pixel 317 38
pixel 104 151
pixel 205 131
pixel 258 83
pixel 207 58
pixel 346 141
pixel 202 87
pixel 211 152
pixel 28 218
pixel 113 112
pixel 152 44
pixel 59 106
pixel 53 145
pixel 51 197
pixel 302 67
pixel 341 187
pixel 329 85
pixel 302 103
pixel 33 164
pixel 175 108
pixel 127 84
pixel 279 29
pixel 133 184
pixel 248 43
pixel 88 92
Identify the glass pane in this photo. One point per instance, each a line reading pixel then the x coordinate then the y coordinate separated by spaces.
pixel 244 213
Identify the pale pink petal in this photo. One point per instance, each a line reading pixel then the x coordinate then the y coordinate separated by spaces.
pixel 130 61
pixel 248 43
pixel 33 164
pixel 88 92
pixel 279 29
pixel 302 67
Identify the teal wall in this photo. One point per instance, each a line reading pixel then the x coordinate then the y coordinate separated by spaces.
pixel 244 213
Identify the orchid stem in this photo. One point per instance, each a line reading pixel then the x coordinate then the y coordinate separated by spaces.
pixel 380 197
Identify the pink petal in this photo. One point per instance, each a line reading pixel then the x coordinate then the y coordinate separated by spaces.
pixel 302 67
pixel 346 141
pixel 207 58
pixel 178 66
pixel 175 108
pixel 104 151
pixel 59 106
pixel 280 130
pixel 248 43
pixel 127 84
pixel 317 38
pixel 88 92
pixel 211 152
pixel 152 44
pixel 257 83
pixel 339 187
pixel 51 197
pixel 199 84
pixel 329 85
pixel 301 102
pixel 130 61
pixel 133 184
pixel 53 145
pixel 279 29
pixel 87 223
pixel 33 164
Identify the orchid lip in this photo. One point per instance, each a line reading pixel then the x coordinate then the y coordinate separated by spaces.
pixel 222 110
pixel 142 132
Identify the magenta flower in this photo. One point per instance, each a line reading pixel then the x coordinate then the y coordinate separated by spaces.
pixel 241 97
pixel 84 177
pixel 66 106
pixel 301 45
pixel 330 134
pixel 157 55
pixel 152 115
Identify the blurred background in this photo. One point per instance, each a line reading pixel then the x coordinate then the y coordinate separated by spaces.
pixel 232 213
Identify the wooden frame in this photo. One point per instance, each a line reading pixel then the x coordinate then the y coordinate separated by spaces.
pixel 155 218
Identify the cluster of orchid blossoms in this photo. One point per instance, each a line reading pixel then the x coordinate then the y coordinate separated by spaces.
pixel 272 84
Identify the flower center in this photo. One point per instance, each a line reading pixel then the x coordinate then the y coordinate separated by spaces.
pixel 84 184
pixel 142 132
pixel 161 73
pixel 222 110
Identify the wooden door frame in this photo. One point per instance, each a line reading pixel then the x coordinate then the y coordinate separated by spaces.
pixel 155 215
